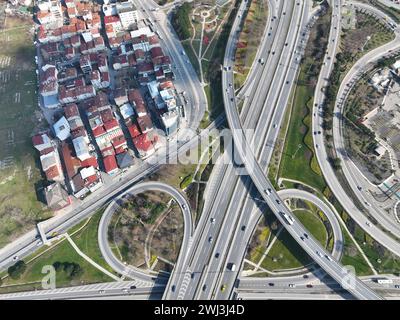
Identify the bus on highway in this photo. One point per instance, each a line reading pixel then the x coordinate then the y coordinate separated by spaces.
pixel 288 218
pixel 384 281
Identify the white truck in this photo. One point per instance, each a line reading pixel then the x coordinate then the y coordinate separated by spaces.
pixel 287 217
pixel 384 281
pixel 232 266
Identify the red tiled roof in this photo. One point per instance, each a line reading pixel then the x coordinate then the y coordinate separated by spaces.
pixel 98 131
pixel 71 110
pixel 37 140
pixel 166 85
pixel 71 162
pixel 135 96
pixel 132 60
pixel 110 125
pixel 133 131
pixel 92 179
pixel 118 141
pixel 119 150
pixel 139 53
pixel 107 115
pixel 144 123
pixel 145 67
pixel 105 76
pixel 52 173
pixel 111 19
pixel 90 162
pixel 110 163
pixel 142 143
pixel 156 52
pixel 159 73
pixel 46 151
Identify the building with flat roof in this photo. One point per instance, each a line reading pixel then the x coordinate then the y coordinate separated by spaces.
pixel 81 148
pixel 128 14
pixel 62 129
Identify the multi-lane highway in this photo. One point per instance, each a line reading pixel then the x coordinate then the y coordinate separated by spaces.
pixel 269 103
pixel 107 290
pixel 240 193
pixel 263 185
pixel 228 177
pixel 320 146
pixel 295 228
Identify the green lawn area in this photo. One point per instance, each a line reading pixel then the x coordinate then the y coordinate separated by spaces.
pixel 286 253
pixel 298 161
pixel 314 224
pixel 87 242
pixel 382 260
pixel 85 239
pixel 351 256
pixel 20 175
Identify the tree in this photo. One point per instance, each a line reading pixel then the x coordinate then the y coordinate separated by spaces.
pixel 57 265
pixel 336 164
pixel 16 270
pixel 71 269
pixel 180 21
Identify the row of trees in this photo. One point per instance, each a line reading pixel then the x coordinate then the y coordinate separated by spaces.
pixel 181 21
pixel 16 270
pixel 72 270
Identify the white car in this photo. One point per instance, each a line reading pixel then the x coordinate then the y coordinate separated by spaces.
pixel 292 285
pixel 212 220
pixel 319 254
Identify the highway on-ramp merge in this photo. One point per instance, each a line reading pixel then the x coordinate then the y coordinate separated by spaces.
pixel 131 271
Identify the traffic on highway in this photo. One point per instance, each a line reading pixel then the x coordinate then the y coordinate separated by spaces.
pixel 288 111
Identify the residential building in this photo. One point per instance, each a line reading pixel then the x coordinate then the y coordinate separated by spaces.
pixel 56 197
pixel 128 14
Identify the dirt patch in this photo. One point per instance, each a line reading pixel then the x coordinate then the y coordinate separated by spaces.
pixel 148 228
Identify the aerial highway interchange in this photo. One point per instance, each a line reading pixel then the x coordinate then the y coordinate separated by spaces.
pixel 239 192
